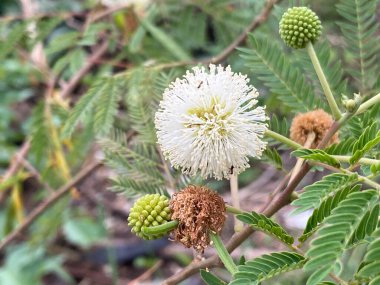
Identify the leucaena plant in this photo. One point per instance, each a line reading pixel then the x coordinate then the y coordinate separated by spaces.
pixel 207 124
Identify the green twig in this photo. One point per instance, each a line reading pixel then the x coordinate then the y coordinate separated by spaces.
pixel 161 229
pixel 282 139
pixel 369 103
pixel 233 210
pixel 322 78
pixel 224 256
pixel 363 179
pixel 346 158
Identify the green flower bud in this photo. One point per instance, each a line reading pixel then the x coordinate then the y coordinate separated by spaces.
pixel 350 105
pixel 149 210
pixel 298 26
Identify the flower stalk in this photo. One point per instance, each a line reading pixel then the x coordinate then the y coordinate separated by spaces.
pixel 160 229
pixel 235 199
pixel 309 141
pixel 369 103
pixel 282 139
pixel 325 85
pixel 363 160
pixel 224 256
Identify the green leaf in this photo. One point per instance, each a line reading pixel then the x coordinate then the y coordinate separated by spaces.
pixel 211 279
pixel 165 40
pixel 360 152
pixel 103 95
pixel 375 168
pixel 342 148
pixel 107 106
pixel 369 268
pixel 267 266
pixel 358 123
pixel 262 223
pixel 367 225
pixel 272 67
pixel 360 32
pixel 327 204
pixel 334 235
pixel 318 275
pixel 316 155
pixel 271 156
pixel 16 34
pixel 83 231
pixel 62 42
pixel 314 194
pixel 138 169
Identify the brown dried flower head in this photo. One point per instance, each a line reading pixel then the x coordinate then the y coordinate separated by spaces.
pixel 317 121
pixel 199 210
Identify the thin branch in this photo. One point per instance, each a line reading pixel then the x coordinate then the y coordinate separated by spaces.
pixel 146 274
pixel 98 53
pixel 309 141
pixel 261 18
pixel 15 165
pixel 223 55
pixel 36 174
pixel 51 200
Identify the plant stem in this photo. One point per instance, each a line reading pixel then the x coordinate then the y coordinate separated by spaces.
pixel 346 158
pixel 367 104
pixel 322 78
pixel 224 256
pixel 161 229
pixel 309 141
pixel 235 199
pixel 282 139
pixel 233 210
pixel 364 179
pixel 50 200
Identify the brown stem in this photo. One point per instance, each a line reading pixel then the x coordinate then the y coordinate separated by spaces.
pixel 309 141
pixel 51 200
pixel 36 174
pixel 98 53
pixel 256 22
pixel 223 55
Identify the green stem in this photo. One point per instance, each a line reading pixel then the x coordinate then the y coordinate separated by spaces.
pixel 282 139
pixel 369 103
pixel 346 158
pixel 322 78
pixel 233 210
pixel 161 229
pixel 171 225
pixel 224 256
pixel 363 179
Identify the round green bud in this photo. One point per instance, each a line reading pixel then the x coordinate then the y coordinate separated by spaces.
pixel 149 210
pixel 298 26
pixel 350 105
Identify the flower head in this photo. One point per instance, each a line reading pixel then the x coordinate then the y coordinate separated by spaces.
pixel 207 122
pixel 317 121
pixel 298 26
pixel 199 210
pixel 149 210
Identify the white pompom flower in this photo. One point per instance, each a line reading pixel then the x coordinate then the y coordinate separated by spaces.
pixel 207 122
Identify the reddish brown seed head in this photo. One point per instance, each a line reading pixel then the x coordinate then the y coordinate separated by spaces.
pixel 199 210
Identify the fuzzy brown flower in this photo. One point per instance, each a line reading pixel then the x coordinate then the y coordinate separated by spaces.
pixel 317 121
pixel 199 210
